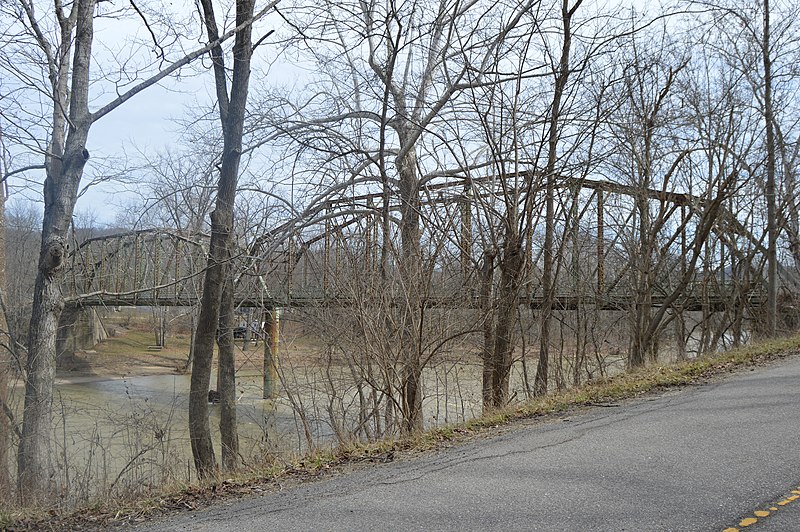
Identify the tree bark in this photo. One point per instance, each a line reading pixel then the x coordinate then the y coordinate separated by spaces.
pixel 487 275
pixel 411 270
pixel 227 380
pixel 6 368
pixel 199 429
pixel 769 189
pixel 548 282
pixel 643 289
pixel 512 267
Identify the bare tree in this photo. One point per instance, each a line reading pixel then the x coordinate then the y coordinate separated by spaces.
pixel 562 74
pixel 533 147
pixel 759 40
pixel 176 189
pixel 393 140
pixel 6 344
pixel 232 104
pixel 58 44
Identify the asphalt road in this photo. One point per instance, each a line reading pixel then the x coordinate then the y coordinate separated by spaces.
pixel 702 458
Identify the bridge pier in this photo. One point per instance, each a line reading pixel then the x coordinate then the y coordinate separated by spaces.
pixel 271 345
pixel 79 328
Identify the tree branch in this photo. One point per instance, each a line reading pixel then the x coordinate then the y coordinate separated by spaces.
pixel 100 113
pixel 159 48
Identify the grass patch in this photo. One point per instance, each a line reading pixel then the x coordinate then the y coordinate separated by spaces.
pixel 321 463
pixel 135 340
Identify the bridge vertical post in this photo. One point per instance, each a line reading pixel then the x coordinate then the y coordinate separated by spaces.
pixel 326 253
pixel 680 322
pixel 118 275
pixel 368 238
pixel 175 295
pixel 135 286
pixel 338 240
pixel 683 239
pixel 466 233
pixel 156 267
pixel 376 248
pixel 96 279
pixel 601 266
pixel 304 285
pixel 289 267
pixel 271 346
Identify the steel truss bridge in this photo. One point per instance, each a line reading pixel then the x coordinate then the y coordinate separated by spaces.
pixel 342 255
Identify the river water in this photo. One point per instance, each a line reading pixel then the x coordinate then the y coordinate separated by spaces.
pixel 117 436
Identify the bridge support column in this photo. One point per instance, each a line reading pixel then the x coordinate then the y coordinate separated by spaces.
pixel 78 329
pixel 601 244
pixel 271 344
pixel 465 205
pixel 369 239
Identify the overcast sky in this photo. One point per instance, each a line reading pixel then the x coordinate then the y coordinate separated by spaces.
pixel 146 123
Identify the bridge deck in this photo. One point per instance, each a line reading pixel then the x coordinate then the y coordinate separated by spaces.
pixel 690 303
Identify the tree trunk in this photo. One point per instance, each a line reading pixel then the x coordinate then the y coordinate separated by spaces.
pixel 64 168
pixel 680 334
pixel 769 191
pixel 487 274
pixel 232 112
pixel 411 270
pixel 227 380
pixel 199 429
pixel 548 290
pixel 6 368
pixel 643 289
pixel 548 282
pixel 412 399
pixel 510 276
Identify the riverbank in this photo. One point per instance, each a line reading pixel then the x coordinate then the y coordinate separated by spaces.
pixel 277 474
pixel 130 351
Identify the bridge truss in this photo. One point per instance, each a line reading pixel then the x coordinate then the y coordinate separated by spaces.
pixel 348 249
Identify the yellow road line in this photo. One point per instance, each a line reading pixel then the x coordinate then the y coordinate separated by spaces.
pixel 751 520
